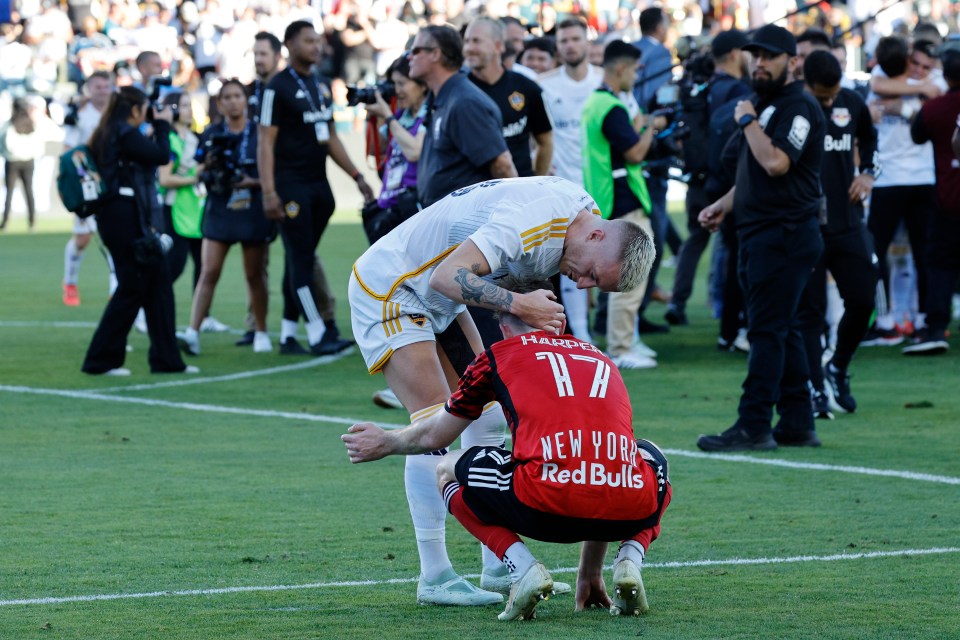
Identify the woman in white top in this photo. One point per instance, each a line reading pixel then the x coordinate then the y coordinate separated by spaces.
pixel 20 144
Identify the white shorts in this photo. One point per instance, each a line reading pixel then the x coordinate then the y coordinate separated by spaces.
pixel 84 225
pixel 383 325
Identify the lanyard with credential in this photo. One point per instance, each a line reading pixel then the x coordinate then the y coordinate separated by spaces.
pixel 321 129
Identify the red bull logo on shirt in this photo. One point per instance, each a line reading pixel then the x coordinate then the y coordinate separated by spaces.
pixel 601 446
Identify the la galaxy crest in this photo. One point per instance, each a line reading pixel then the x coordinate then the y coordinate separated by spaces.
pixel 418 319
pixel 517 100
pixel 292 209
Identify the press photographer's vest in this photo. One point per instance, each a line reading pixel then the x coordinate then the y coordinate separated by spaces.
pixel 597 164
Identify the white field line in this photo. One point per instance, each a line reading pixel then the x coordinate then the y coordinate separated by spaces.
pixel 563 570
pixel 310 417
pixel 55 324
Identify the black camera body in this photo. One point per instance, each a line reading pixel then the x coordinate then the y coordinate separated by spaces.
pixel 368 95
pixel 154 86
pixel 225 167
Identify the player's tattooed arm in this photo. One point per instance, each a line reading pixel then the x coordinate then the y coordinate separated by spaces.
pixel 475 289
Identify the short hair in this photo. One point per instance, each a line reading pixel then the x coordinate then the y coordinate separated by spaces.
pixel 143 57
pixel 294 28
pixel 101 74
pixel 650 19
pixel 637 253
pixel 822 68
pixel 516 284
pixel 545 44
pixel 891 54
pixel 498 28
pixel 514 21
pixel 273 40
pixel 449 43
pixel 172 98
pixel 617 50
pixel 571 23
pixel 816 37
pixel 228 82
pixel 925 47
pixel 950 59
pixel 928 31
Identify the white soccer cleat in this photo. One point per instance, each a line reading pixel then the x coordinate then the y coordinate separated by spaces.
pixel 499 580
pixel 189 342
pixel 631 360
pixel 455 592
pixel 212 325
pixel 629 596
pixel 261 343
pixel 640 348
pixel 535 585
pixel 387 399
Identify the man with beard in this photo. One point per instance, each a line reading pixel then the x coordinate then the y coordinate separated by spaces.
pixel 777 200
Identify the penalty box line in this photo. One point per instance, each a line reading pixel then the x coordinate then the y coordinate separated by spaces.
pixel 394 581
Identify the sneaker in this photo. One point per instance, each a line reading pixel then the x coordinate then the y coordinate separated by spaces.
pixel 331 344
pixel 455 592
pixel 246 340
pixel 191 369
pixel 629 596
pixel 821 405
pixel 675 317
pixel 792 438
pixel 641 349
pixel 119 371
pixel 387 399
pixel 261 343
pixel 631 360
pixel 212 325
pixel 498 580
pixel 736 439
pixel 189 342
pixel 140 323
pixel 740 343
pixel 292 347
pixel 71 295
pixel 929 343
pixel 877 337
pixel 838 389
pixel 535 585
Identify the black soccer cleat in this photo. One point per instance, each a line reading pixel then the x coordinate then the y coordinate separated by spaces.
pixel 838 387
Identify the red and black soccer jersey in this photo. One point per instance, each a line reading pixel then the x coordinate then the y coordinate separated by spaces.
pixel 571 421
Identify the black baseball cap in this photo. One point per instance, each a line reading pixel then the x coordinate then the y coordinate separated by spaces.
pixel 774 39
pixel 727 41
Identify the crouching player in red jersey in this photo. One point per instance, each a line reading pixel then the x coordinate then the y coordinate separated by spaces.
pixel 576 472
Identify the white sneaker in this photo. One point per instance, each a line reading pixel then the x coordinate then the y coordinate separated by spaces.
pixel 629 596
pixel 740 343
pixel 191 369
pixel 631 360
pixel 140 324
pixel 119 371
pixel 189 341
pixel 641 349
pixel 212 325
pixel 535 585
pixel 499 581
pixel 387 399
pixel 261 342
pixel 455 592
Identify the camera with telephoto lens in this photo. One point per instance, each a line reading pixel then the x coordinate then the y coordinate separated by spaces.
pixel 154 87
pixel 225 167
pixel 368 95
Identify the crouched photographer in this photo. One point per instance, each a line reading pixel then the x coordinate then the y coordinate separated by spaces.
pixel 128 221
pixel 233 213
pixel 403 133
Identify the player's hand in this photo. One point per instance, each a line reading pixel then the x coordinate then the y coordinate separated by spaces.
pixel 860 188
pixel 365 189
pixel 711 217
pixel 540 310
pixel 591 592
pixel 272 207
pixel 365 442
pixel 743 108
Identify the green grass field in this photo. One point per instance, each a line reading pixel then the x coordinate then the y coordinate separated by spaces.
pixel 223 505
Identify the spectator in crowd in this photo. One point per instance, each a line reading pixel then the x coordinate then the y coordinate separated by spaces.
pixel 149 65
pixel 233 214
pixel 777 201
pixel 539 54
pixel 21 143
pixel 848 251
pixel 464 142
pixel 90 50
pixel 935 124
pixel 130 223
pixel 654 71
pixel 519 99
pixel 544 506
pixel 15 59
pixel 807 42
pixel 95 98
pixel 565 92
pixel 612 174
pixel 515 38
pixel 297 134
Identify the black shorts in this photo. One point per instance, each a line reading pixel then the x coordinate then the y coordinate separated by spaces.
pixel 495 502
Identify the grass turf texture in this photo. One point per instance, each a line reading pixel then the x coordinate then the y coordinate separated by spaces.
pixel 105 497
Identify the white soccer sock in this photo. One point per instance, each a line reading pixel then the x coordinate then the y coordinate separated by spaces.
pixel 518 559
pixel 488 430
pixel 490 560
pixel 576 304
pixel 315 331
pixel 630 550
pixel 288 329
pixel 71 262
pixel 428 513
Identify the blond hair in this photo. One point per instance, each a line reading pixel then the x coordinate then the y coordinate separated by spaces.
pixel 636 255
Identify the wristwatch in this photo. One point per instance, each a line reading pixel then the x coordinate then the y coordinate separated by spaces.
pixel 746 119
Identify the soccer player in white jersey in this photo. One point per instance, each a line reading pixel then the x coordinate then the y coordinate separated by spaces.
pixel 565 91
pixel 416 281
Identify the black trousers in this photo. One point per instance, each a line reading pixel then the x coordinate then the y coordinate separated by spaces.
pixel 775 265
pixel 182 247
pixel 307 207
pixel 944 269
pixel 733 314
pixel 915 205
pixel 14 170
pixel 147 286
pixel 692 248
pixel 848 256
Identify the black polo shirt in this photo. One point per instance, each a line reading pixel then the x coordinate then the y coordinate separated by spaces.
pixel 254 99
pixel 849 127
pixel 301 107
pixel 463 136
pixel 794 122
pixel 520 100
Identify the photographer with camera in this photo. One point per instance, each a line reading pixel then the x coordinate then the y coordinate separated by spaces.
pixel 233 213
pixel 403 130
pixel 128 222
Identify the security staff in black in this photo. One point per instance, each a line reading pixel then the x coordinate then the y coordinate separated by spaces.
pixel 848 246
pixel 296 134
pixel 777 199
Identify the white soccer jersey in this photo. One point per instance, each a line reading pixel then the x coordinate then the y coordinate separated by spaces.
pixel 518 224
pixel 565 98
